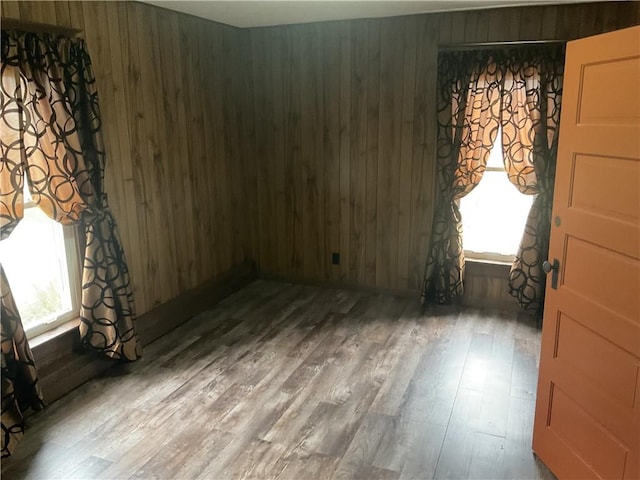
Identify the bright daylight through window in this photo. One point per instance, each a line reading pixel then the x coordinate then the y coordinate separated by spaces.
pixel 40 261
pixel 494 213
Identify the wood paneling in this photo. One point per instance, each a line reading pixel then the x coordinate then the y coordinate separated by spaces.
pixel 173 95
pixel 486 286
pixel 350 169
pixel 283 144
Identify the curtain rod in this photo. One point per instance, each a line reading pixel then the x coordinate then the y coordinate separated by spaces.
pixel 505 45
pixel 35 27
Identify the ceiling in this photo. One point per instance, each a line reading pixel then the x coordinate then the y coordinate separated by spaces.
pixel 251 13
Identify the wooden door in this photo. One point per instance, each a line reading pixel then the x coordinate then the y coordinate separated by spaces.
pixel 587 422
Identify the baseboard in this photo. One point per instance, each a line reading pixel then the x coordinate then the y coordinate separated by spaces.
pixel 338 284
pixel 486 286
pixel 64 366
pixel 169 315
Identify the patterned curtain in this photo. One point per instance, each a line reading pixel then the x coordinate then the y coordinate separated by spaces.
pixel 532 94
pixel 468 122
pixel 20 389
pixel 63 153
pixel 50 131
pixel 520 90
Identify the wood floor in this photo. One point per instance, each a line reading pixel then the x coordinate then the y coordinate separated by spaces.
pixel 299 382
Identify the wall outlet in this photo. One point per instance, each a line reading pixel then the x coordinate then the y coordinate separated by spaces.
pixel 335 258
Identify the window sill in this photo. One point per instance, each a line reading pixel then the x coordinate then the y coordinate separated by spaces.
pixel 61 361
pixel 487 261
pixel 489 258
pixel 50 335
pixel 486 268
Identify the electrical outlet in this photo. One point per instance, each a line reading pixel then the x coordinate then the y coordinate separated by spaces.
pixel 335 258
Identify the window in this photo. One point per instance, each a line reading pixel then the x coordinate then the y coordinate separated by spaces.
pixel 494 213
pixel 40 259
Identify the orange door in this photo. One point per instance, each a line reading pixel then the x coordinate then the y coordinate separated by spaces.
pixel 587 421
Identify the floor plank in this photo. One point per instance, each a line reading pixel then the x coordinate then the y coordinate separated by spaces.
pixel 285 381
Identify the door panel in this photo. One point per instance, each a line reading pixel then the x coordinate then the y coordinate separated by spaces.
pixel 585 436
pixel 602 320
pixel 605 267
pixel 582 350
pixel 600 85
pixel 591 191
pixel 587 421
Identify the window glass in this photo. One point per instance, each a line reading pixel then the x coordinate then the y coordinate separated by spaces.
pixel 39 259
pixel 494 213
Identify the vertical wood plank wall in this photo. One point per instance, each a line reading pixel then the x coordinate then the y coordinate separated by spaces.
pixel 282 144
pixel 173 92
pixel 345 130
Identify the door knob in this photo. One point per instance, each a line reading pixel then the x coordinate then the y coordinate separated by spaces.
pixel 548 267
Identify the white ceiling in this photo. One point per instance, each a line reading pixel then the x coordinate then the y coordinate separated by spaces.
pixel 251 13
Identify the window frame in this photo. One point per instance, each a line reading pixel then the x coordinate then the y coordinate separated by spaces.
pixel 489 257
pixel 73 259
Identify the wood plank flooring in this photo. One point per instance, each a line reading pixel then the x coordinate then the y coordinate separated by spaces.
pixel 299 382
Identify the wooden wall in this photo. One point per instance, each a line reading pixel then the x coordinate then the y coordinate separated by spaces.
pixel 281 144
pixel 173 95
pixel 345 129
